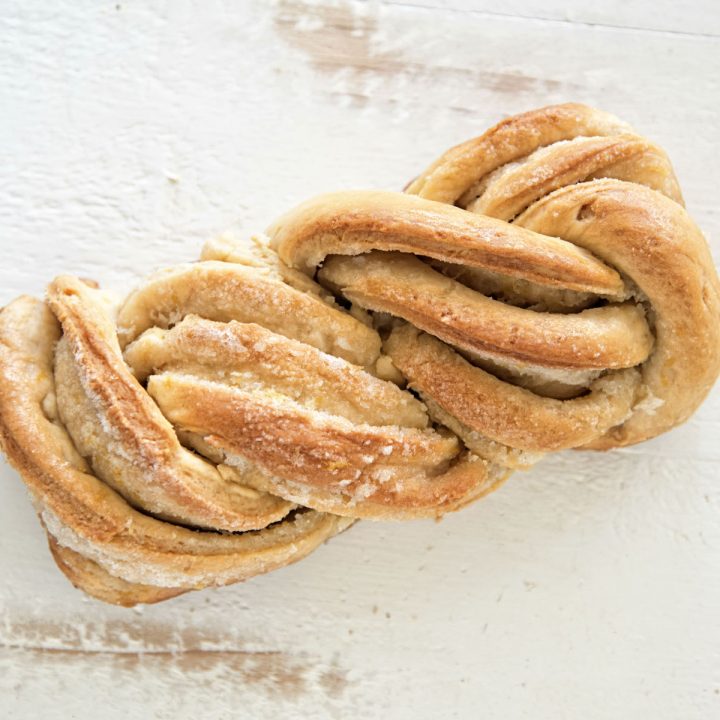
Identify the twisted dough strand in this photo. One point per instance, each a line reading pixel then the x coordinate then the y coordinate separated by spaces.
pixel 609 149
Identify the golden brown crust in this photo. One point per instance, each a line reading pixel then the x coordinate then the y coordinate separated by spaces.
pixel 660 248
pixel 365 470
pixel 130 445
pixel 352 223
pixel 246 355
pixel 89 577
pixel 227 291
pixel 507 414
pixel 614 336
pixel 517 137
pixel 511 189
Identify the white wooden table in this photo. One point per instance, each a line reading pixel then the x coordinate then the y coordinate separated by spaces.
pixel 133 131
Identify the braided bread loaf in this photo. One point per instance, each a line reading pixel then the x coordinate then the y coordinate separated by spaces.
pixel 539 288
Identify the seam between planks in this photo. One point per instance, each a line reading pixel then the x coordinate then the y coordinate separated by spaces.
pixel 557 21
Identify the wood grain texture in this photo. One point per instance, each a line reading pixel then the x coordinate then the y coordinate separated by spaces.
pixel 587 587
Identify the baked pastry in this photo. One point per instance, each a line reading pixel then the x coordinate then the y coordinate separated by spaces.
pixel 547 289
pixel 538 288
